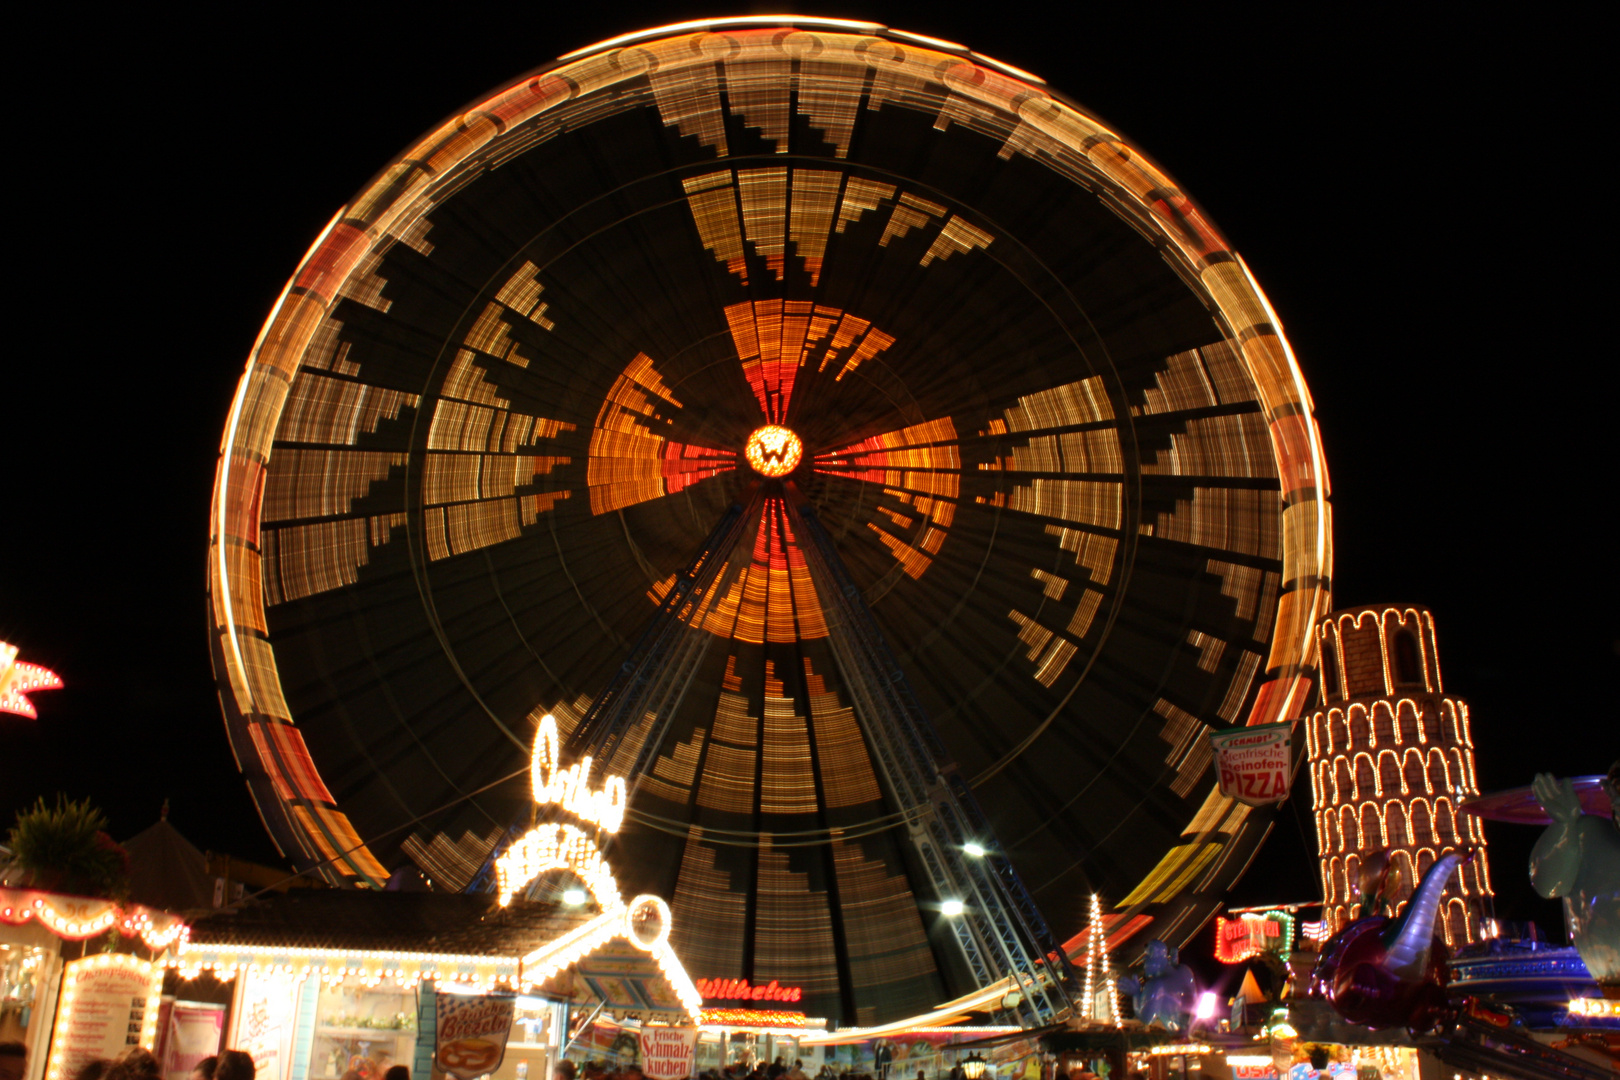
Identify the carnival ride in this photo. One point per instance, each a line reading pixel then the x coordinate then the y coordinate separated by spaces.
pixel 519 439
pixel 1389 975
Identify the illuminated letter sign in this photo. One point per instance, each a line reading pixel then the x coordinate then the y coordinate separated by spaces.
pixel 570 788
pixel 742 990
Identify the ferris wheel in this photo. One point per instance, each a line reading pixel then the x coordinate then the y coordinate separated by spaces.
pixel 775 403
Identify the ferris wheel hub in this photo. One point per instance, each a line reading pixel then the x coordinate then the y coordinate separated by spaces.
pixel 773 450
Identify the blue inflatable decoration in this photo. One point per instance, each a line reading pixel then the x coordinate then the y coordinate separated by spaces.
pixel 1166 994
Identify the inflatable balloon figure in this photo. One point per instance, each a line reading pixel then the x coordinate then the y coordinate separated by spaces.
pixel 1578 860
pixel 1166 993
pixel 1387 972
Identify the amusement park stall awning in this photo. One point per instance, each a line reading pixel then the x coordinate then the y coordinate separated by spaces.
pixel 452 938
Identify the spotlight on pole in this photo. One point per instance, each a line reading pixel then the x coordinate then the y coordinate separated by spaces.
pixel 973 849
pixel 573 897
pixel 953 907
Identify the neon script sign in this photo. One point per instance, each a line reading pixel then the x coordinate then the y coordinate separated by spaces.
pixel 570 788
pixel 743 990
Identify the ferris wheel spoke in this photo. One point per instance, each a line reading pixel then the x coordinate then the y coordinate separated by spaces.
pixel 631 461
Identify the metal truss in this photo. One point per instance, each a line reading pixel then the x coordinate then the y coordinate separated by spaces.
pixel 647 689
pixel 1001 932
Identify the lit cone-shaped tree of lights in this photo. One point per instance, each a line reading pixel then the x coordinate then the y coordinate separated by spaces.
pixel 1012 390
pixel 1098 974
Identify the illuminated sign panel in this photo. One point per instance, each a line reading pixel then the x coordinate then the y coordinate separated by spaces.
pixel 109 1004
pixel 774 451
pixel 1236 940
pixel 743 990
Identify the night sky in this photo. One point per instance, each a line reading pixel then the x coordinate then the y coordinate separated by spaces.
pixel 1420 197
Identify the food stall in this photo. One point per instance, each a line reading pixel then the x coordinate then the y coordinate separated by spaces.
pixel 325 982
pixel 80 977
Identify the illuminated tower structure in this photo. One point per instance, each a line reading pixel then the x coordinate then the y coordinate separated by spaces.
pixel 1391 757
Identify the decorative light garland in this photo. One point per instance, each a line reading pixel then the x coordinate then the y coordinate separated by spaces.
pixel 77 917
pixel 1602 1007
pixel 555 847
pixel 730 1018
pixel 475 974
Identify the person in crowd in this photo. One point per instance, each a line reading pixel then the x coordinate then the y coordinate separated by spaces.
pixel 921 1075
pixel 397 1072
pixel 565 1071
pixel 136 1063
pixel 96 1069
pixel 236 1065
pixel 13 1061
pixel 797 1072
pixel 204 1069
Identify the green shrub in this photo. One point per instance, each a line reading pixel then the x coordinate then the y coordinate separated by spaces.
pixel 66 848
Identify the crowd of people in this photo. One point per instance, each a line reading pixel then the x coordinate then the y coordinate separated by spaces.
pixel 139 1063
pixel 758 1070
pixel 136 1063
pixel 776 1070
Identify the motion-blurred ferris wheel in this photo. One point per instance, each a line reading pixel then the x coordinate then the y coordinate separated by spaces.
pixel 761 398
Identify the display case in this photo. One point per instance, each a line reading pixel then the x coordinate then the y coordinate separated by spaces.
pixel 29 968
pixel 534 1045
pixel 364 1029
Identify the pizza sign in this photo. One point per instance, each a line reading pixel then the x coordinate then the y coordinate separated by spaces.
pixel 472 1033
pixel 1253 762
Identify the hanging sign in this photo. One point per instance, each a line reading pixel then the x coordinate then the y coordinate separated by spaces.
pixel 194 1032
pixel 472 1033
pixel 1252 762
pixel 666 1052
pixel 109 1004
pixel 1251 934
pixel 265 1021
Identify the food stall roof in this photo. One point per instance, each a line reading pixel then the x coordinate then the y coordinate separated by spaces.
pixel 352 920
pixel 455 938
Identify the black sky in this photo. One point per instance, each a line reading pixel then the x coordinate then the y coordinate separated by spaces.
pixel 1422 197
